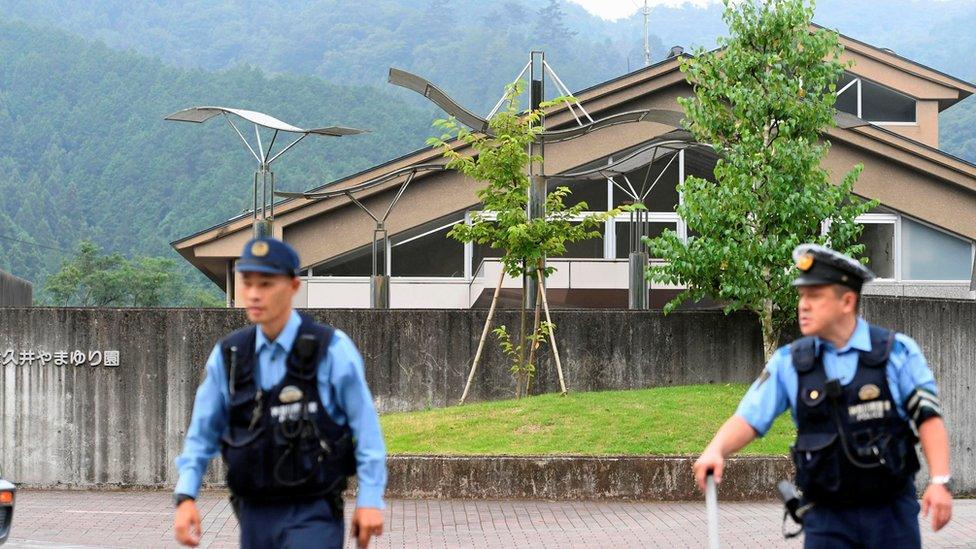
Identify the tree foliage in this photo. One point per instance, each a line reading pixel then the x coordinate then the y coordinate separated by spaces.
pixel 501 161
pixel 94 279
pixel 762 102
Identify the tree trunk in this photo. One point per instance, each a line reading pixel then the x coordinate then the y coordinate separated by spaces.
pixel 484 335
pixel 521 360
pixel 769 332
pixel 552 336
pixel 535 342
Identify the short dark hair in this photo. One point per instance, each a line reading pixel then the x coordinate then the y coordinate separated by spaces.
pixel 840 290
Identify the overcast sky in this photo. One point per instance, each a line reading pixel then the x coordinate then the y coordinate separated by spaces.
pixel 616 9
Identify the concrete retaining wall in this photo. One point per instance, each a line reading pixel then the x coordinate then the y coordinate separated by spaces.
pixel 14 291
pixel 576 477
pixel 123 425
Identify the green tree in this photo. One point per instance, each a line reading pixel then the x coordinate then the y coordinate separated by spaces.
pixel 762 102
pixel 550 26
pixel 501 161
pixel 89 279
pixel 94 279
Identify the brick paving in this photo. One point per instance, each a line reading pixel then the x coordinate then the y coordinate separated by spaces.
pixel 84 519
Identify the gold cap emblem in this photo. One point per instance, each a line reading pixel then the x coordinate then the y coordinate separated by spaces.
pixel 804 262
pixel 290 394
pixel 259 248
pixel 869 392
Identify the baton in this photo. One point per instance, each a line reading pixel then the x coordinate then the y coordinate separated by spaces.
pixel 711 509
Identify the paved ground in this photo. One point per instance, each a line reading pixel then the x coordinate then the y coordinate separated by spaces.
pixel 143 519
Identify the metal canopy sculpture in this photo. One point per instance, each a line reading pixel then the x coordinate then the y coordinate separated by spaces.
pixel 423 86
pixel 660 116
pixel 672 144
pixel 263 173
pixel 538 68
pixel 379 283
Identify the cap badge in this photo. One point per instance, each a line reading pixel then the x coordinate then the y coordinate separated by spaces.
pixel 869 392
pixel 290 394
pixel 804 262
pixel 259 248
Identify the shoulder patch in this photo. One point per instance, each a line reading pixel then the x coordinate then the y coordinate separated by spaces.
pixel 763 377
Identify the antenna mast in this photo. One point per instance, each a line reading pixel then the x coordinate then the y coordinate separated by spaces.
pixel 647 45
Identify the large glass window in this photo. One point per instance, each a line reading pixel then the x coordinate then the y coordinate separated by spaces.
pixel 879 240
pixel 432 254
pixel 847 94
pixel 930 254
pixel 873 102
pixel 663 196
pixel 623 236
pixel 358 262
pixel 594 193
pixel 881 104
pixel 700 163
pixel 481 252
pixel 591 248
pixel 903 249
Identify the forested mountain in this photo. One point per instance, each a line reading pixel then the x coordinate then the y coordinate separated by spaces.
pixel 85 154
pixel 470 47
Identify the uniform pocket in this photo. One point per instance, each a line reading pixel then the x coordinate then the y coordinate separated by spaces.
pixel 817 463
pixel 246 462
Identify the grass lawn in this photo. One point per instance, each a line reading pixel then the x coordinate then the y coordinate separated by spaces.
pixel 666 420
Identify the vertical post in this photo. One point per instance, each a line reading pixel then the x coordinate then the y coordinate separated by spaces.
pixel 230 284
pixel 537 180
pixel 262 221
pixel 379 283
pixel 637 289
pixel 647 45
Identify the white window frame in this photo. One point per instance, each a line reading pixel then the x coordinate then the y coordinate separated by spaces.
pixel 887 219
pixel 896 219
pixel 857 83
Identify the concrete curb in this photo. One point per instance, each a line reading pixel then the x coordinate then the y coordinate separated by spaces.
pixel 643 478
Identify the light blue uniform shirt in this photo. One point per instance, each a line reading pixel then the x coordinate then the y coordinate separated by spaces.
pixel 768 398
pixel 342 388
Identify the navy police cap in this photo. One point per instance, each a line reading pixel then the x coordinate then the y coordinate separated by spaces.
pixel 820 265
pixel 269 256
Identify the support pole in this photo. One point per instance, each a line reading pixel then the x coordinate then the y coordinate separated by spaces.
pixel 552 334
pixel 262 220
pixel 537 180
pixel 638 294
pixel 647 45
pixel 379 283
pixel 230 284
pixel 484 336
pixel 637 288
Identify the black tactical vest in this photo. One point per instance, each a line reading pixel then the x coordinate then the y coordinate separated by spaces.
pixel 282 443
pixel 852 447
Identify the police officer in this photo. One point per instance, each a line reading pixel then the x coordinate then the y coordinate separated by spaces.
pixel 858 393
pixel 285 402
